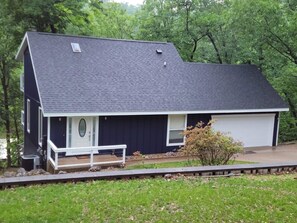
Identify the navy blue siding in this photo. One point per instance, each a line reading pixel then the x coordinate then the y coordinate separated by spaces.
pixel 193 119
pixel 146 134
pixel 31 93
pixel 58 131
pixel 30 88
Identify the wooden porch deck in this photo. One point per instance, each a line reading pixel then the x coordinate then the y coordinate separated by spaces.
pixel 85 159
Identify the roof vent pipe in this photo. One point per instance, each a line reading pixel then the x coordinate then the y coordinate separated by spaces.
pixel 159 51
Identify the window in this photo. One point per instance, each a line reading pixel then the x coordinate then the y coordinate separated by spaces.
pixel 22 118
pixel 28 115
pixel 40 125
pixel 176 125
pixel 82 127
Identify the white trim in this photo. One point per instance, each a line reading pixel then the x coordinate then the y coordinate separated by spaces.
pixel 67 132
pixel 20 55
pixel 165 112
pixel 24 44
pixel 168 130
pixel 35 74
pixel 97 132
pixel 28 115
pixel 277 131
pixel 48 138
pixel 40 126
pixel 237 115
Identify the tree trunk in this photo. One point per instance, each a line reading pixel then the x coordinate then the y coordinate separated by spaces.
pixel 5 84
pixel 193 50
pixel 293 109
pixel 209 35
pixel 16 127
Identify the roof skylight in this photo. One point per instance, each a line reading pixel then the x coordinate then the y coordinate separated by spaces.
pixel 75 47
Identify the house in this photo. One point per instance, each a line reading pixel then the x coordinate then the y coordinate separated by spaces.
pixel 95 96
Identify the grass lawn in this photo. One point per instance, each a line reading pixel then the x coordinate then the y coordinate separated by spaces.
pixel 269 198
pixel 174 164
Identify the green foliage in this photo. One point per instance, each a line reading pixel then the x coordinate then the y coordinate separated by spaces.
pixel 210 146
pixel 47 16
pixel 239 199
pixel 110 20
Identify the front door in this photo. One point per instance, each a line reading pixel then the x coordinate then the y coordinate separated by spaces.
pixel 82 132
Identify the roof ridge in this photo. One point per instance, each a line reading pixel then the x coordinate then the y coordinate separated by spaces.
pixel 219 64
pixel 101 38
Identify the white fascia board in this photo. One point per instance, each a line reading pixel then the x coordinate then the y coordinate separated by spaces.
pixel 34 72
pixel 165 112
pixel 20 54
pixel 240 115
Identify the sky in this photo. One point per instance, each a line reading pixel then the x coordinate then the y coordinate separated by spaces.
pixel 131 2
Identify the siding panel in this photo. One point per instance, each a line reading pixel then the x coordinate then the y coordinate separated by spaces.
pixel 30 92
pixel 146 134
pixel 58 131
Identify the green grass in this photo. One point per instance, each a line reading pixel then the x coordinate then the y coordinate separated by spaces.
pixel 268 198
pixel 174 164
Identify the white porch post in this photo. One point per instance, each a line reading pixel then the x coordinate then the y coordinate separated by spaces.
pixel 92 157
pixel 56 160
pixel 48 138
pixel 48 154
pixel 124 155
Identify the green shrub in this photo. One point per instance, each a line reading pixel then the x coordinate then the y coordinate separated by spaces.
pixel 287 127
pixel 210 146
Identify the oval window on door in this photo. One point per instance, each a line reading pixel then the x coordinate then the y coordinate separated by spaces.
pixel 82 127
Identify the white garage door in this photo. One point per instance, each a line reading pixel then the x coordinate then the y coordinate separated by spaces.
pixel 253 130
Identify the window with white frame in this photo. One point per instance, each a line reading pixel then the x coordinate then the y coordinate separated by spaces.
pixel 176 125
pixel 40 125
pixel 22 118
pixel 28 115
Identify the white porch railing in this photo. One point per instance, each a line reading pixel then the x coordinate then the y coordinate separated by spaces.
pixel 51 147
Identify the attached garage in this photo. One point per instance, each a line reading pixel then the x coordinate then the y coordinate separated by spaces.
pixel 251 129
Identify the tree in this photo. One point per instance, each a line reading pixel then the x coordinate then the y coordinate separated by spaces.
pixel 9 40
pixel 109 20
pixel 48 16
pixel 16 18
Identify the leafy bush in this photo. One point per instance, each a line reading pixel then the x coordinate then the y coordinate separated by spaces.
pixel 210 146
pixel 287 127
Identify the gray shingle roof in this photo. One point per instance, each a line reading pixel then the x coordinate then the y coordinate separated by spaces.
pixel 129 76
